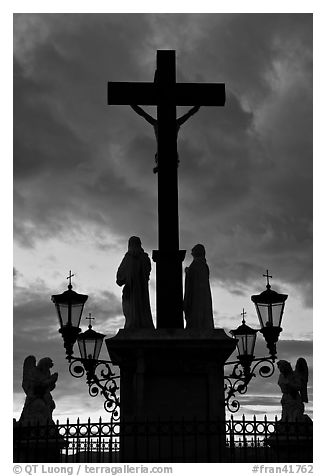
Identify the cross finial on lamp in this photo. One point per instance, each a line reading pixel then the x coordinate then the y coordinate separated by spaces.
pixel 267 276
pixel 90 318
pixel 69 277
pixel 243 315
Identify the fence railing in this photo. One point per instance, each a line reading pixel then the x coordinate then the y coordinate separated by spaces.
pixel 161 441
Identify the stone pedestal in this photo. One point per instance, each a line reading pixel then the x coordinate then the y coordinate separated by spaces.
pixel 174 379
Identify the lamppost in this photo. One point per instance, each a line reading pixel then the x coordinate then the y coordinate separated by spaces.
pixel 69 306
pixel 99 376
pixel 101 380
pixel 270 307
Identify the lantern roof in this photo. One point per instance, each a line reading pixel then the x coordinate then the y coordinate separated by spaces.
pixel 269 296
pixel 243 329
pixel 69 297
pixel 90 334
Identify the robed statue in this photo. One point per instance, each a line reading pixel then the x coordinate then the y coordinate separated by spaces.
pixel 198 298
pixel 38 382
pixel 133 274
pixel 293 384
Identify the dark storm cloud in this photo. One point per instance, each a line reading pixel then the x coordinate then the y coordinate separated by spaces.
pixel 245 171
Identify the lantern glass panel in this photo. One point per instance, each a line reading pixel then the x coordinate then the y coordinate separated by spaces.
pixel 59 315
pixel 278 313
pixel 86 348
pixel 246 344
pixel 90 347
pixel 81 348
pixel 270 314
pixel 75 315
pixel 251 343
pixel 264 315
pixel 98 347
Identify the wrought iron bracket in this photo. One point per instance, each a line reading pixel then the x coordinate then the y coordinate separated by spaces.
pixel 241 375
pixel 100 380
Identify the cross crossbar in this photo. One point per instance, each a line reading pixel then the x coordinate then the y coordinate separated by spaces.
pixel 178 94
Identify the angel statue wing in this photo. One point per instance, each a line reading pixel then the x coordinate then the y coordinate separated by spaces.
pixel 28 371
pixel 301 371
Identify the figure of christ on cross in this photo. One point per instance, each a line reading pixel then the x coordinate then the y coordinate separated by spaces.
pixel 179 121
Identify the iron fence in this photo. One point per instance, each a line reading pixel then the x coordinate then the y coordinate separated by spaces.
pixel 165 441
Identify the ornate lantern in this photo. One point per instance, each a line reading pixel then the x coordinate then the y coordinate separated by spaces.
pixel 246 337
pixel 90 344
pixel 69 306
pixel 270 307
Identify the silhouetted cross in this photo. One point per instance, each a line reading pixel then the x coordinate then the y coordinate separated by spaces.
pixel 167 94
pixel 69 277
pixel 89 318
pixel 243 316
pixel 267 276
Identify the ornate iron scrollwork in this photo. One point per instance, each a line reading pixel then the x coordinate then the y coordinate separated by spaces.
pixel 239 386
pixel 266 370
pixel 100 380
pixel 76 370
pixel 237 381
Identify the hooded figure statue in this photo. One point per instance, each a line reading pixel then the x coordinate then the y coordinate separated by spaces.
pixel 198 299
pixel 133 273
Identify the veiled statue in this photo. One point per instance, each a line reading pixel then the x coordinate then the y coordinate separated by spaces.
pixel 197 301
pixel 133 274
pixel 293 384
pixel 38 382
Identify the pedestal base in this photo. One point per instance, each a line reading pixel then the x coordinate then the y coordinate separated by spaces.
pixel 175 376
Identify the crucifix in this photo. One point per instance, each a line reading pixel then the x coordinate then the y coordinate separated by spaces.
pixel 69 277
pixel 167 94
pixel 243 316
pixel 89 319
pixel 267 276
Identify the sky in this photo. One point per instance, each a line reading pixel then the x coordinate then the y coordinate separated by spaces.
pixel 83 179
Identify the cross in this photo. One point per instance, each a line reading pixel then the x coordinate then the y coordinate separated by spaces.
pixel 243 316
pixel 267 276
pixel 89 318
pixel 166 94
pixel 69 277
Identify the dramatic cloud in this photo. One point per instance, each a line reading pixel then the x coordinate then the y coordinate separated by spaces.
pixel 246 169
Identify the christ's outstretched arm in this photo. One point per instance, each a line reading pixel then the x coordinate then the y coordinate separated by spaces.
pixel 144 114
pixel 181 120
